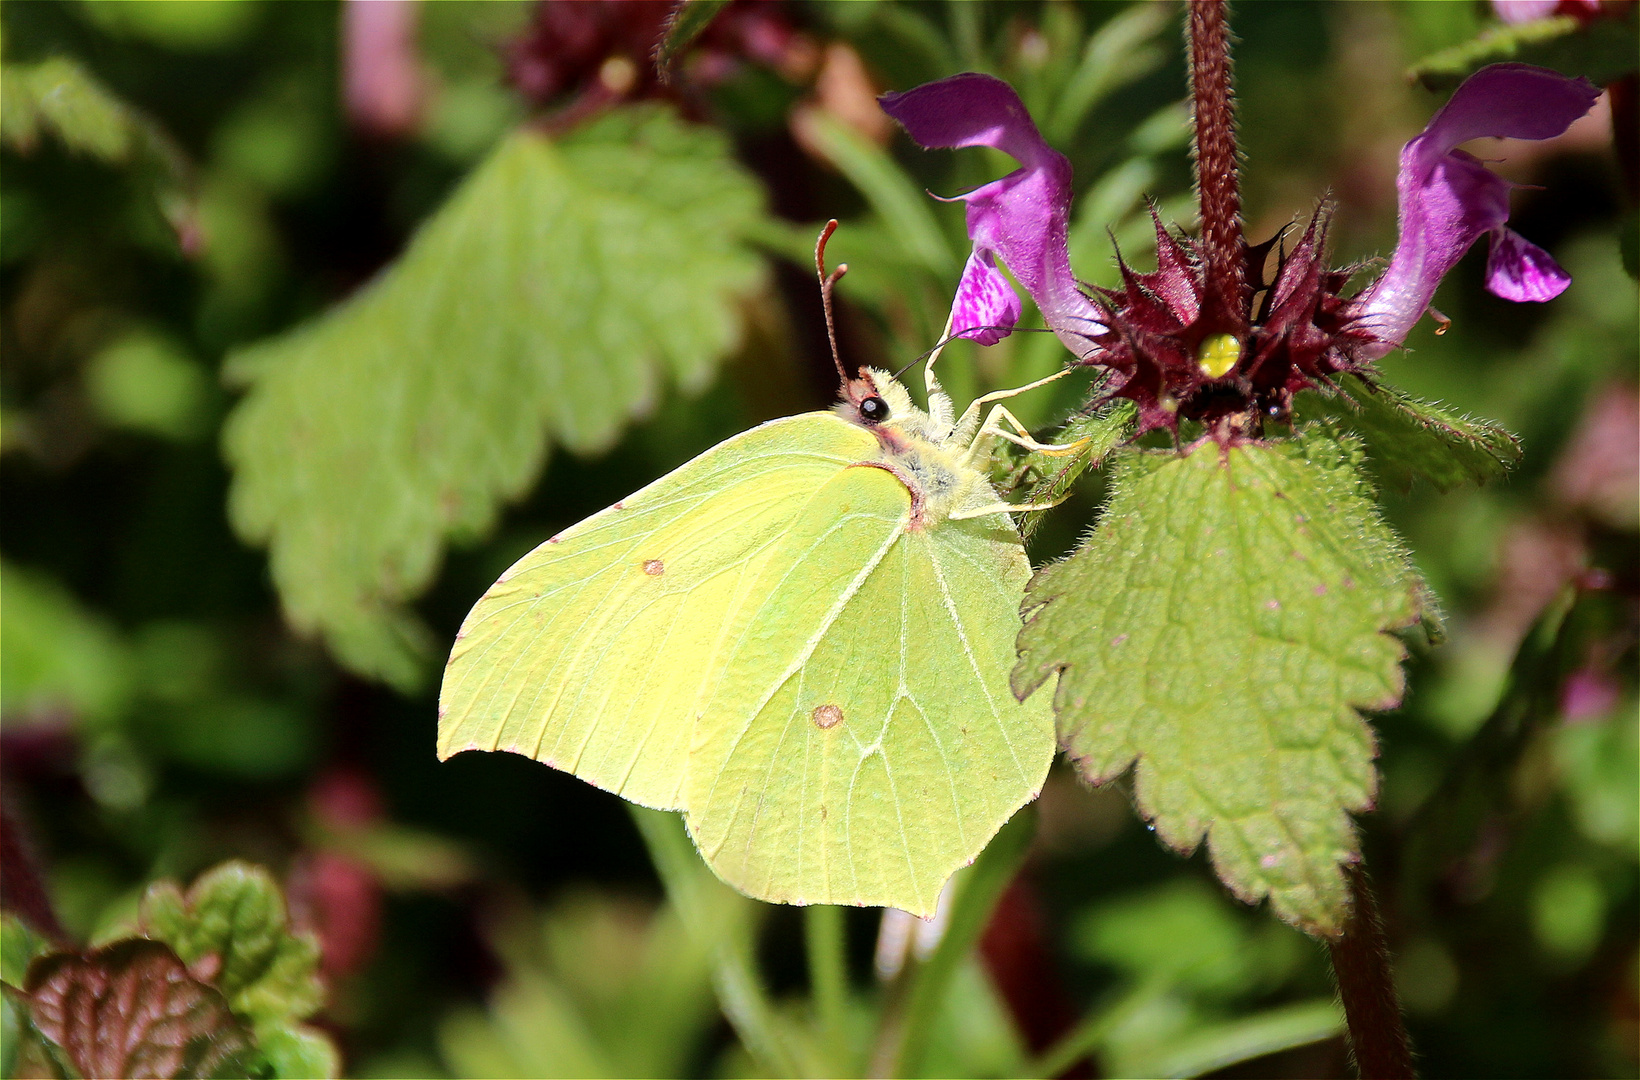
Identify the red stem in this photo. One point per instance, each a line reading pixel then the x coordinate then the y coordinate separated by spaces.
pixel 1366 985
pixel 1217 183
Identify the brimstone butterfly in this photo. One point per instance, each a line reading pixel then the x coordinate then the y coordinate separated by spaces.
pixel 801 639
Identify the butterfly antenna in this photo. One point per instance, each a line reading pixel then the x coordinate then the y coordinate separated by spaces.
pixel 963 336
pixel 826 283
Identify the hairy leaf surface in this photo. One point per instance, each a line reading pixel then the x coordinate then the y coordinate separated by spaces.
pixel 1221 627
pixel 550 299
pixel 1409 438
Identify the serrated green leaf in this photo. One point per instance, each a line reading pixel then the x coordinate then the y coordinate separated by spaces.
pixel 1221 627
pixel 552 296
pixel 235 914
pixel 1409 438
pixel 1600 50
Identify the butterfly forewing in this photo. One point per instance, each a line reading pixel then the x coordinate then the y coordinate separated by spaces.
pixel 594 652
pixel 862 743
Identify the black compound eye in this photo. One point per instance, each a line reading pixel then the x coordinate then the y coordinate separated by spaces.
pixel 874 410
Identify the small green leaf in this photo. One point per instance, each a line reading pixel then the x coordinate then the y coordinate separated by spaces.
pixel 59 656
pixel 1221 627
pixel 1601 50
pixel 232 926
pixel 57 97
pixel 1122 51
pixel 133 1009
pixel 1408 438
pixel 553 295
pixel 297 1052
pixel 1247 1038
pixel 685 23
pixel 19 945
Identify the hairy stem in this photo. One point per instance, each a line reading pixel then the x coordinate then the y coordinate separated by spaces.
pixel 1217 183
pixel 1366 985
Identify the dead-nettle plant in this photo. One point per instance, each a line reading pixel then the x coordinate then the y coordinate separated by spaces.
pixel 1234 612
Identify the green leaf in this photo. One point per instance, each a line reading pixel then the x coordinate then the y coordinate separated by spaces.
pixel 723 922
pixel 1104 430
pixel 1221 627
pixel 57 97
pixel 685 23
pixel 297 1052
pixel 1601 50
pixel 1409 438
pixel 19 945
pixel 1250 1037
pixel 59 656
pixel 1122 51
pixel 133 1009
pixel 232 924
pixel 552 296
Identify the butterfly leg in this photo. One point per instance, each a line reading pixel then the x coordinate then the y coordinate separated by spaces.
pixel 970 416
pixel 1000 507
pixel 993 429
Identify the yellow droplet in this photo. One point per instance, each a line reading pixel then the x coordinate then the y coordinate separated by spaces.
pixel 1217 354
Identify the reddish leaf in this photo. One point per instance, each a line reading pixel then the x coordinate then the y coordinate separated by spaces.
pixel 131 1009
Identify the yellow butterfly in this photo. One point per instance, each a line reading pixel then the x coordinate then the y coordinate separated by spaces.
pixel 801 639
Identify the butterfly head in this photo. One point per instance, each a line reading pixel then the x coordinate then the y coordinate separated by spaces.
pixel 875 400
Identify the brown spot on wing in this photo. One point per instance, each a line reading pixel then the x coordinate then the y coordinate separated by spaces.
pixel 654 567
pixel 826 717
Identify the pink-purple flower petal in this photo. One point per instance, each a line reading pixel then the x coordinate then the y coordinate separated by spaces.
pixel 986 308
pixel 1449 199
pixel 1517 269
pixel 1022 218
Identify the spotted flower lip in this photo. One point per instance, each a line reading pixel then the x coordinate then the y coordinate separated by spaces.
pixel 1449 199
pixel 1022 218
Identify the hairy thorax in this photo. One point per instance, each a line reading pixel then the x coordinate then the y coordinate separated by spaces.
pixel 926 453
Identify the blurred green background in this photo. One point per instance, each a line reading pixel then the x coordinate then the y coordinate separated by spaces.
pixel 184 180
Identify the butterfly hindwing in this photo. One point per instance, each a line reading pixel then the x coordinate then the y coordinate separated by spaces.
pixel 869 688
pixel 593 651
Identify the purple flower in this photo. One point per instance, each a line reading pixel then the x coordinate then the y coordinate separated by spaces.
pixel 1151 336
pixel 1449 199
pixel 1021 219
